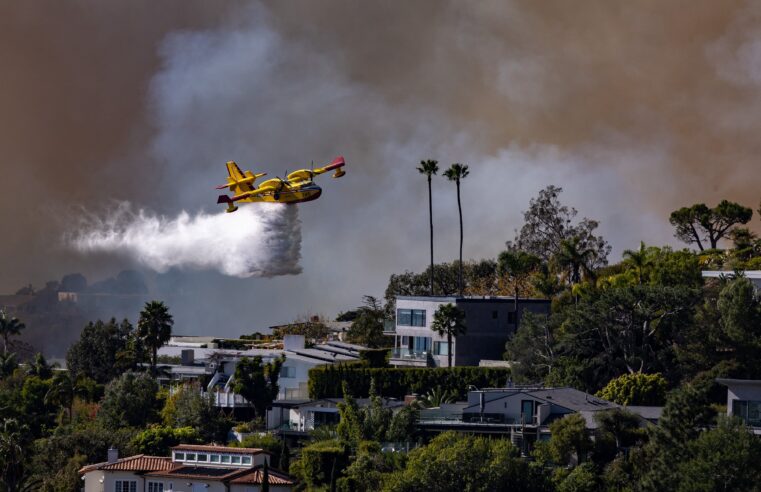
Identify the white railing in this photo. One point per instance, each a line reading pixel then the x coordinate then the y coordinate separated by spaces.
pixel 225 399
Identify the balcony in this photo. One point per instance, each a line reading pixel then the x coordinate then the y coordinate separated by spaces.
pixel 409 354
pixel 227 399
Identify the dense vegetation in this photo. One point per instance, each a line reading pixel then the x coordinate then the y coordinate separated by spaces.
pixel 329 381
pixel 648 330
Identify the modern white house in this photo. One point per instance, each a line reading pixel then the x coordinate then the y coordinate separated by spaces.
pixel 744 401
pixel 215 367
pixel 753 275
pixel 490 321
pixel 191 468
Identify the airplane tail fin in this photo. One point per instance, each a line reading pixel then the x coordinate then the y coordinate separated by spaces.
pixel 230 204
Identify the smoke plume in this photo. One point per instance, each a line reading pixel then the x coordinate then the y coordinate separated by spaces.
pixel 634 108
pixel 260 240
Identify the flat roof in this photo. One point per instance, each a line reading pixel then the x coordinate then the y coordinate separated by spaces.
pixel 469 299
pixel 217 449
pixel 738 382
pixel 751 274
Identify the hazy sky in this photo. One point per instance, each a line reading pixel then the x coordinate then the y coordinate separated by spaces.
pixel 634 108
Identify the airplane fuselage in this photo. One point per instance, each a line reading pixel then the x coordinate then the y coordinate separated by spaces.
pixel 286 193
pixel 297 187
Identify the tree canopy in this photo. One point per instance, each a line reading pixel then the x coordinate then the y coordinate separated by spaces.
pixel 702 225
pixel 257 382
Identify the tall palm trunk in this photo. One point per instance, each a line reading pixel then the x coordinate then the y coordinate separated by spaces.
pixel 430 220
pixel 515 307
pixel 449 349
pixel 459 208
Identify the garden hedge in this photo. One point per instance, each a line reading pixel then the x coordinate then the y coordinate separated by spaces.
pixel 396 382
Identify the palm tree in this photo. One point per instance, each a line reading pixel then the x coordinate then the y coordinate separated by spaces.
pixel 575 258
pixel 430 168
pixel 40 367
pixel 15 474
pixel 8 364
pixel 436 397
pixel 457 172
pixel 449 321
pixel 638 259
pixel 63 390
pixel 154 327
pixel 8 328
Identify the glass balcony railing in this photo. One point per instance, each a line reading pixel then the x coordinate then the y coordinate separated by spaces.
pixel 405 353
pixel 389 327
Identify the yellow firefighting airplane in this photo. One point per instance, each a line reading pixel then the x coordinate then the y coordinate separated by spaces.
pixel 296 188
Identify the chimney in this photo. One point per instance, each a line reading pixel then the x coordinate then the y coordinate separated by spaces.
pixel 188 357
pixel 408 399
pixel 113 455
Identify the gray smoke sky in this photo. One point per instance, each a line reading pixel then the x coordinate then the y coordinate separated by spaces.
pixel 635 109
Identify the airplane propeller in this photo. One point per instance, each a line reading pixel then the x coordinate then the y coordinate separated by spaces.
pixel 283 184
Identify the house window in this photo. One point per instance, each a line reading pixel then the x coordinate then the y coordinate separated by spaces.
pixel 190 457
pixel 287 372
pixel 440 348
pixel 214 458
pixel 421 344
pixel 404 317
pixel 155 487
pixel 246 460
pixel 235 460
pixel 203 457
pixel 225 458
pixel 511 318
pixel 410 317
pixel 179 456
pixel 527 412
pixel 418 317
pixel 749 411
pixel 125 486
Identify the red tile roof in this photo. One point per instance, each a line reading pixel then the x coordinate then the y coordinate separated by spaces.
pixel 217 449
pixel 256 475
pixel 231 475
pixel 138 462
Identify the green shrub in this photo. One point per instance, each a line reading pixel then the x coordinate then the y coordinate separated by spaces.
pixel 156 440
pixel 636 389
pixel 753 264
pixel 322 463
pixel 327 381
pixel 375 357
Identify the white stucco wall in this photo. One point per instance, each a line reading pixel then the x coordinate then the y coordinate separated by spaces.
pixel 181 485
pixel 429 307
pixel 749 391
pixel 510 405
pixel 257 488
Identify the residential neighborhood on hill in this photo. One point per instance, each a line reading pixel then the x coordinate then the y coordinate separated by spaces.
pixel 580 378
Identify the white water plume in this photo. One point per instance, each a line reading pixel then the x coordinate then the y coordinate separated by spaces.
pixel 259 240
